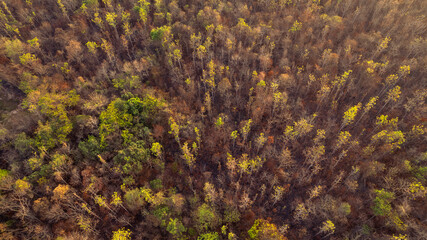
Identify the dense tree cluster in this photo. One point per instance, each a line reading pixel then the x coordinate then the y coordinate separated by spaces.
pixel 193 119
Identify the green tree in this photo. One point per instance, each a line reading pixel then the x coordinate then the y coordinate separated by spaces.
pixel 133 157
pixel 206 218
pixel 382 202
pixel 209 236
pixel 175 227
pixel 90 148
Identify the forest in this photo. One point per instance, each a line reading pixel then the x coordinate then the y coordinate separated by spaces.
pixel 213 119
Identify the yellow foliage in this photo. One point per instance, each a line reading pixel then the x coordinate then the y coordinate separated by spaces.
pixel 384 43
pixel 350 114
pixel 296 26
pixel 22 185
pixel 370 104
pixel 328 227
pixel 116 199
pixel 122 234
pixel 60 192
pixel 417 190
pixel 27 58
pixel 404 70
pixel 394 94
pixel 111 18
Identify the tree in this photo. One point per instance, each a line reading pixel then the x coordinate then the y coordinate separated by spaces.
pixel 350 115
pixel 175 227
pixel 122 234
pixel 327 227
pixel 156 149
pixel 188 156
pixel 296 26
pixel 262 229
pixel 92 47
pixel 244 131
pixel 174 130
pixel 209 236
pixel 382 202
pixel 206 217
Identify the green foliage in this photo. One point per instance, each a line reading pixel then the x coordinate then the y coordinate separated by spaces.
pixel 243 72
pixel 144 108
pixel 133 157
pixel 23 143
pixel 90 3
pixel 206 217
pixel 6 180
pixel 112 119
pixel 231 214
pixel 54 107
pixel 157 34
pixel 175 227
pixel 45 171
pixel 127 83
pixel 162 213
pixel 382 202
pixel 65 69
pixel 219 122
pixel 58 161
pixel 420 173
pixel 156 184
pixel 209 236
pixel 3 174
pixel 35 162
pixel 142 8
pixel 90 148
pixel 14 48
pixel 134 199
pixel 345 209
pixel 49 134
